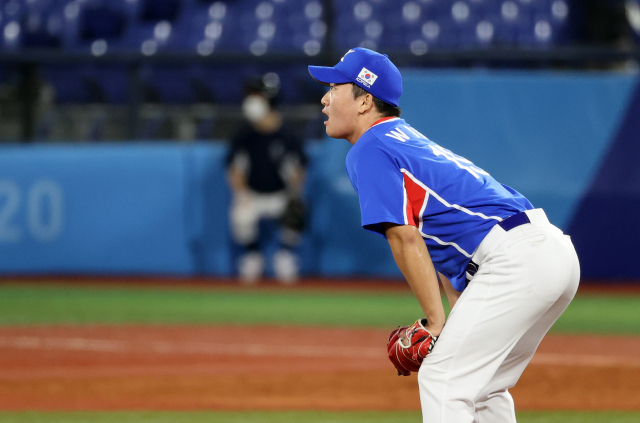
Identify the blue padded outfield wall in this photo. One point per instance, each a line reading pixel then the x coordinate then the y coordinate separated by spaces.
pixel 570 142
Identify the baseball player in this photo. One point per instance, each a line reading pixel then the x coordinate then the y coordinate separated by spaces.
pixel 507 272
pixel 265 168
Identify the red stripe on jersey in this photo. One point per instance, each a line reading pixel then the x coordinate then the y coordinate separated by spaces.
pixel 415 200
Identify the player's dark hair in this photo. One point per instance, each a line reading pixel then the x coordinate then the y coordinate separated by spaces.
pixel 385 109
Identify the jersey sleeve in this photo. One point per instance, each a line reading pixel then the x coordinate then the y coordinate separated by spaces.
pixel 378 181
pixel 235 146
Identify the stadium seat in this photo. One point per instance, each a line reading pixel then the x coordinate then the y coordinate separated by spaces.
pixel 559 20
pixel 42 27
pixel 633 17
pixel 112 80
pixel 251 26
pixel 159 10
pixel 206 28
pixel 64 81
pixel 224 84
pixel 482 9
pixel 11 24
pixel 364 23
pixel 147 38
pixel 88 83
pixel 464 20
pixel 213 83
pixel 283 27
pixel 166 84
pixel 508 20
pixel 101 22
pixel 417 25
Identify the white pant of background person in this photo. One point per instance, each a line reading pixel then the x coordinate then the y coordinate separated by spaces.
pixel 527 277
pixel 247 209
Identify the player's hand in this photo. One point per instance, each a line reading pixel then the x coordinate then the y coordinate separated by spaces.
pixel 409 345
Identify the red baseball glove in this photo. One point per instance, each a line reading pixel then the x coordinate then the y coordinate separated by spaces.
pixel 406 351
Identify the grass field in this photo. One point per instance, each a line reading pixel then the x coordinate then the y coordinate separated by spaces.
pixel 47 304
pixel 22 304
pixel 297 417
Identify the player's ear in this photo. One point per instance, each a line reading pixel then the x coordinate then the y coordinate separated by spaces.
pixel 366 102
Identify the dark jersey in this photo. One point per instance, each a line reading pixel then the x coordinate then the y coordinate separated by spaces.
pixel 265 157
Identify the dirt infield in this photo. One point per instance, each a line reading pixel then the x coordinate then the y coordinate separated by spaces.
pixel 189 368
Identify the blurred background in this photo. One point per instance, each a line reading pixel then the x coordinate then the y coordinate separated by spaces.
pixel 124 127
pixel 115 118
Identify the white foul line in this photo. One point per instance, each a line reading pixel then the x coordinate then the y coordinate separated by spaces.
pixel 166 347
pixel 307 351
pixel 584 360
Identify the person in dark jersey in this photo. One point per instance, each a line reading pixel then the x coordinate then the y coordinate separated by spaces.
pixel 266 170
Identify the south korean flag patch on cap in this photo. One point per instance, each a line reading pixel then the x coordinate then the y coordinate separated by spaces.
pixel 366 77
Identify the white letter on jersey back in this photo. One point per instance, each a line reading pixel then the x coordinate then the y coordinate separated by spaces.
pixel 399 135
pixel 418 134
pixel 472 169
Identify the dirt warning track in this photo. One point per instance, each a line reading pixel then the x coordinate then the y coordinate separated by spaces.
pixel 232 368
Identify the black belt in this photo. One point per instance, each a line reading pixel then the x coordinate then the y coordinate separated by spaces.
pixel 509 223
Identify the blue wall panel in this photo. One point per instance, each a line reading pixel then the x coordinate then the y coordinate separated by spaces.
pixel 162 208
pixel 206 205
pixel 93 209
pixel 606 228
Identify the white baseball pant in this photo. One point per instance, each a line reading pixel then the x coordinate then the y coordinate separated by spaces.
pixel 527 277
pixel 248 208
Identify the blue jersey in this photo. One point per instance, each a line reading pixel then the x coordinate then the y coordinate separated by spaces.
pixel 404 178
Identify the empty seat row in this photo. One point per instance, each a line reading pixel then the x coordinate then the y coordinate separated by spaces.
pixel 148 26
pixel 173 84
pixel 265 26
pixel 418 25
pixel 258 27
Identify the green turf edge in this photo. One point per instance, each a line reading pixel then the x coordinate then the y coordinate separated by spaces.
pixel 296 416
pixel 46 304
pixel 49 304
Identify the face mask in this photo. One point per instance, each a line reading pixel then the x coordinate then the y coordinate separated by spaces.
pixel 254 108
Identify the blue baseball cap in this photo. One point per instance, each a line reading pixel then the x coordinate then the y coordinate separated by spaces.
pixel 371 71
